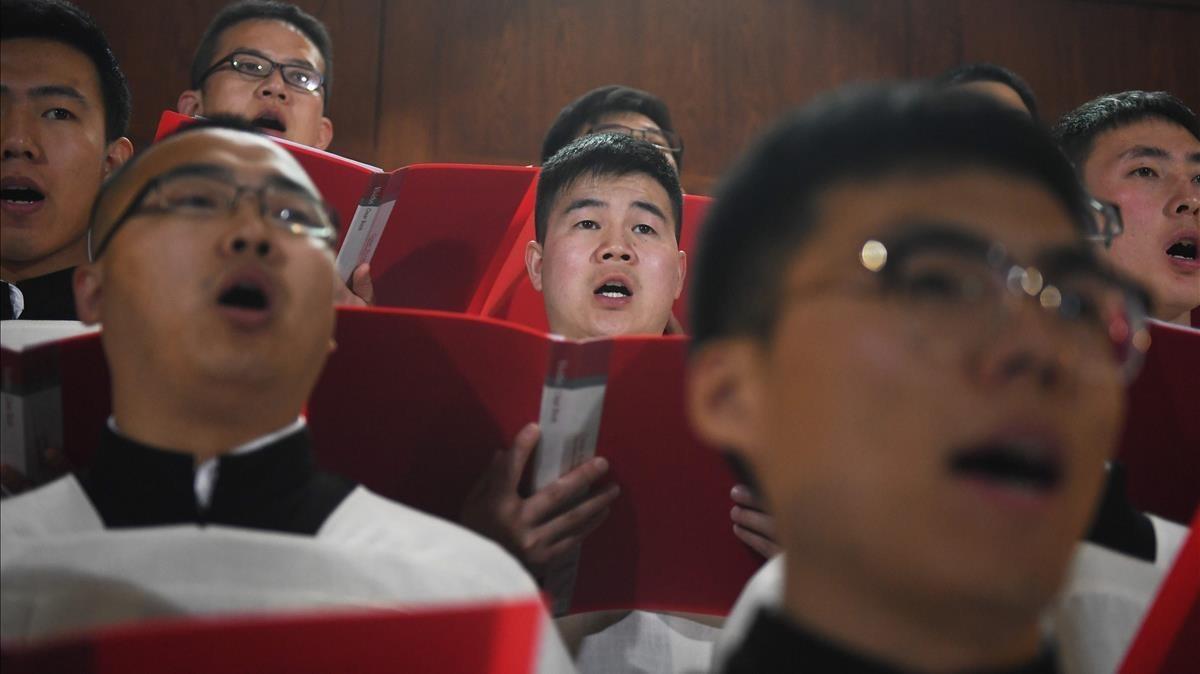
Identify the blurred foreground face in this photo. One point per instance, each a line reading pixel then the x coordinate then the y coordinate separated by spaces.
pixel 190 290
pixel 610 264
pixel 939 444
pixel 1151 170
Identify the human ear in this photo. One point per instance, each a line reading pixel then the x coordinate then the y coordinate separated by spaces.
pixel 191 102
pixel 88 282
pixel 682 262
pixel 533 264
pixel 116 154
pixel 324 133
pixel 725 393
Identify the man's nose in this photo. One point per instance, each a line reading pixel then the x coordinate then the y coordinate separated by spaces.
pixel 273 85
pixel 20 137
pixel 1028 348
pixel 248 232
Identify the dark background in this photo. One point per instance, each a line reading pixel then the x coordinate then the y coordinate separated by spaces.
pixel 480 80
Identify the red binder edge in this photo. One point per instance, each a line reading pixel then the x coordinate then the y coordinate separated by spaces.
pixel 1177 603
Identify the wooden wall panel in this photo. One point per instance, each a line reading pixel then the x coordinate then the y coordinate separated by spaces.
pixel 480 80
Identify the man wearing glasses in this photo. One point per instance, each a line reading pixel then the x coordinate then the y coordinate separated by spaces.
pixel 268 62
pixel 911 342
pixel 1141 150
pixel 616 109
pixel 212 277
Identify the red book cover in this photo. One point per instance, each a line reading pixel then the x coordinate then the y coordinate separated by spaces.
pixel 501 638
pixel 415 403
pixel 54 393
pixel 1160 445
pixel 1169 638
pixel 432 232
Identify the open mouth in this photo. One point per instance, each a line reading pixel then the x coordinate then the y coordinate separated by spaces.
pixel 23 196
pixel 1183 249
pixel 244 295
pixel 269 122
pixel 613 290
pixel 1024 466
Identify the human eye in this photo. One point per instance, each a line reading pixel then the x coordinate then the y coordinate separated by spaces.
pixel 587 224
pixel 59 114
pixel 1144 172
pixel 644 229
pixel 942 280
pixel 250 65
pixel 192 200
pixel 301 77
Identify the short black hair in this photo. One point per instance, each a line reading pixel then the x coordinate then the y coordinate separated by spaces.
pixel 1077 130
pixel 63 22
pixel 601 155
pixel 990 72
pixel 590 107
pixel 270 10
pixel 767 205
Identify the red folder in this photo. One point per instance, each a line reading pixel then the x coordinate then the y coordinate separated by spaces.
pixel 1169 638
pixel 498 638
pixel 1160 446
pixel 77 368
pixel 447 223
pixel 414 404
pixel 511 296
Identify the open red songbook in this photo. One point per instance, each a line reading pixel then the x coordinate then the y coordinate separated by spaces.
pixel 1169 638
pixel 415 403
pixel 492 638
pixel 1160 446
pixel 430 231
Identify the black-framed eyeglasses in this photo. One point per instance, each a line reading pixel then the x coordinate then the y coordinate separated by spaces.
pixel 660 138
pixel 253 64
pixel 958 289
pixel 205 196
pixel 1103 220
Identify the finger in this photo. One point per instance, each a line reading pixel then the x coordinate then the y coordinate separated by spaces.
pixel 362 285
pixel 523 444
pixel 579 520
pixel 745 496
pixel 549 554
pixel 758 522
pixel 558 494
pixel 757 543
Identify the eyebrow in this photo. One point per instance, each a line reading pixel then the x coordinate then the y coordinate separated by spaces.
pixel 1145 152
pixel 290 62
pixel 651 208
pixel 51 90
pixel 208 170
pixel 591 202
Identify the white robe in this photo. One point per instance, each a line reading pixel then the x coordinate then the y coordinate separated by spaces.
pixel 61 570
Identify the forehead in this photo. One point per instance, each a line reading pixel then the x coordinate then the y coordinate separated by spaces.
pixel 279 40
pixel 634 120
pixel 29 62
pixel 614 190
pixel 1151 132
pixel 1016 212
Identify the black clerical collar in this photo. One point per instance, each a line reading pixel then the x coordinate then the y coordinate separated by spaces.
pixel 776 644
pixel 275 487
pixel 50 297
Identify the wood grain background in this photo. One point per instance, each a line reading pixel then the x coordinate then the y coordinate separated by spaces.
pixel 480 80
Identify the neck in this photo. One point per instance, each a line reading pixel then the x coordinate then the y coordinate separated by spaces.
pixel 904 633
pixel 72 255
pixel 205 425
pixel 1184 319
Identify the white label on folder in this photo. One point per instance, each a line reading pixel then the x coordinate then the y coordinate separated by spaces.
pixel 572 401
pixel 362 237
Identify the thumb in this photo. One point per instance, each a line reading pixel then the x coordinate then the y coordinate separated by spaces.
pixel 360 282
